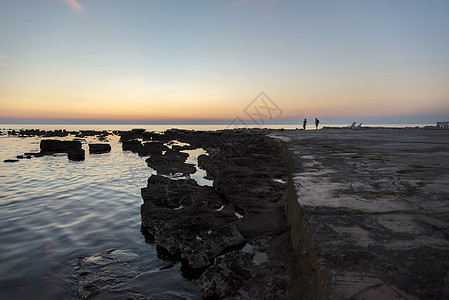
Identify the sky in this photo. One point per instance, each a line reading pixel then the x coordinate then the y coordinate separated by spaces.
pixel 209 61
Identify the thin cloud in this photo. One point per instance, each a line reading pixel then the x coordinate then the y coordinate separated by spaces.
pixel 3 58
pixel 73 4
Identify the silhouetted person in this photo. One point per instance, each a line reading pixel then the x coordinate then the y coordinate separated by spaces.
pixel 304 124
pixel 316 123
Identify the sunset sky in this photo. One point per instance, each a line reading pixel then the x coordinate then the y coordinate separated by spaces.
pixel 162 61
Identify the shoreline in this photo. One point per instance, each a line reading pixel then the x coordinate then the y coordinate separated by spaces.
pixel 355 205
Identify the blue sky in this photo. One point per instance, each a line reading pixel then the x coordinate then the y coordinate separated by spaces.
pixel 179 60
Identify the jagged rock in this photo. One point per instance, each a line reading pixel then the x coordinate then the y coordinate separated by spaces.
pixel 198 224
pixel 162 191
pixel 213 164
pixel 171 162
pixel 196 234
pixel 242 275
pixel 99 148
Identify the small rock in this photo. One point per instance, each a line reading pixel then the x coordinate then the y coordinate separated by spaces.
pixel 11 160
pixel 99 148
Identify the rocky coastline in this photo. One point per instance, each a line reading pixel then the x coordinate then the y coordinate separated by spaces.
pixel 233 237
pixel 289 214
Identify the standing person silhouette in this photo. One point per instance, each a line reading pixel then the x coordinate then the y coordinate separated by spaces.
pixel 304 124
pixel 316 123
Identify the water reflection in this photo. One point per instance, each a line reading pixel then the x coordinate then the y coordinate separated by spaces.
pixel 54 212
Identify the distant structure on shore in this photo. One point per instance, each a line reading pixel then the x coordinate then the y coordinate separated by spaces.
pixel 354 126
pixel 443 124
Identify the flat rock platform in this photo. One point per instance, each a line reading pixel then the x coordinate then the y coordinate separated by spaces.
pixel 374 206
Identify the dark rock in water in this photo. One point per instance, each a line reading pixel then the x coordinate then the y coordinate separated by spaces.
pixel 195 234
pixel 138 130
pixel 58 133
pixel 57 146
pixel 127 136
pixel 171 162
pixel 152 148
pixel 12 132
pixel 76 154
pixel 131 145
pixel 31 132
pixel 99 148
pixel 35 154
pixel 164 192
pixel 84 133
pixel 184 219
pixel 11 160
pixel 72 148
pixel 19 157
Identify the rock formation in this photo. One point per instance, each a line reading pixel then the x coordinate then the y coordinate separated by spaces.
pixel 233 236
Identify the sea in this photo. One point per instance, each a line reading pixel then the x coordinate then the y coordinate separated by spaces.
pixel 56 214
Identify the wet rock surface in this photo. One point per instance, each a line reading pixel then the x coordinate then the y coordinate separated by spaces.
pixel 230 235
pixel 375 208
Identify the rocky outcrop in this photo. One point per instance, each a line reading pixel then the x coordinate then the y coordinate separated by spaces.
pixel 131 145
pixel 164 192
pixel 232 234
pixel 72 148
pixel 172 162
pixel 185 220
pixel 99 148
pixel 144 149
pixel 84 133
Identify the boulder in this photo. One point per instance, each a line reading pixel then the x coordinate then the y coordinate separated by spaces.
pixel 57 146
pixel 76 154
pixel 131 145
pixel 72 148
pixel 99 148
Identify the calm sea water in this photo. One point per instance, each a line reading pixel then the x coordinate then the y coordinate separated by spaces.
pixel 54 211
